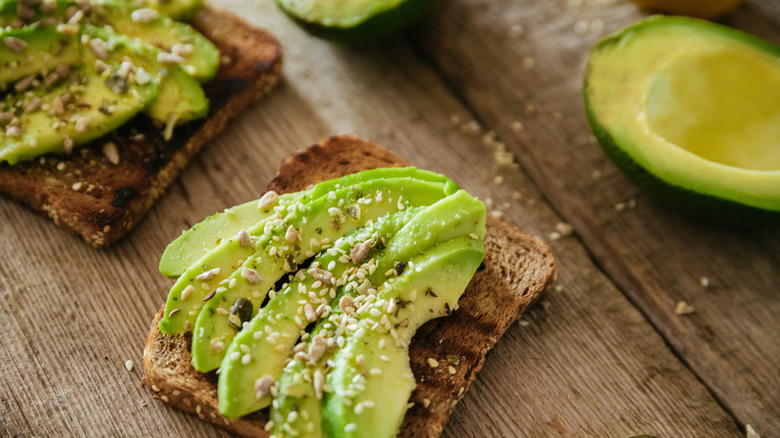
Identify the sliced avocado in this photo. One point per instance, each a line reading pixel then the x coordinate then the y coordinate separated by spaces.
pixel 179 95
pixel 32 50
pixel 354 21
pixel 191 50
pixel 372 369
pixel 282 321
pixel 338 213
pixel 85 106
pixel 206 235
pixel 314 226
pixel 295 391
pixel 690 111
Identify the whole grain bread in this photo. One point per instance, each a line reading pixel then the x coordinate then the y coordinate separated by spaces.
pixel 88 195
pixel 516 272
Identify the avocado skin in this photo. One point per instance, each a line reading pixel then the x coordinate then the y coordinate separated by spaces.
pixel 709 208
pixel 375 28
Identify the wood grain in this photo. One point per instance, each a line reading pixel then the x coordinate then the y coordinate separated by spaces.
pixel 654 255
pixel 586 363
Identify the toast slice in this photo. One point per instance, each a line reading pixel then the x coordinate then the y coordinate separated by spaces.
pixel 516 272
pixel 87 195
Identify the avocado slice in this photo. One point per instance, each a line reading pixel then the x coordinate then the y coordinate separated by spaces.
pixel 690 111
pixel 31 50
pixel 271 335
pixel 201 238
pixel 314 225
pixel 179 95
pixel 368 371
pixel 353 21
pixel 192 51
pixel 337 213
pixel 85 106
pixel 431 226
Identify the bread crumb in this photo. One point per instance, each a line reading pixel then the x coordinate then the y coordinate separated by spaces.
pixel 497 213
pixel 530 109
pixel 555 235
pixel 683 308
pixel 546 304
pixel 523 323
pixel 129 365
pixel 750 432
pixel 595 175
pixel 426 402
pixel 704 281
pixel 471 127
pixel 454 119
pixel 558 288
pixel 498 180
pixel 564 228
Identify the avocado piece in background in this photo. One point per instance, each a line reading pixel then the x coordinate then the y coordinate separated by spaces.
pixel 690 111
pixel 351 21
pixel 269 338
pixel 312 228
pixel 30 51
pixel 201 238
pixel 84 106
pixel 180 96
pixel 372 369
pixel 202 280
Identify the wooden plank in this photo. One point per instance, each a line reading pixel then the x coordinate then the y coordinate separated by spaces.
pixel 587 363
pixel 521 62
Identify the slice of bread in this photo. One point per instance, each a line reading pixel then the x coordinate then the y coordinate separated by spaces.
pixel 516 273
pixel 88 195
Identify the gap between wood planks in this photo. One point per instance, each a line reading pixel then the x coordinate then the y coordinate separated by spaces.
pixel 421 55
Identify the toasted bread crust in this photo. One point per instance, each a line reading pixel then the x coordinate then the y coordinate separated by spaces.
pixel 87 195
pixel 516 273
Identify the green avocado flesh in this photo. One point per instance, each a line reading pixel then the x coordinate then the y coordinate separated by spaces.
pixel 179 93
pixel 354 20
pixel 318 279
pixel 690 110
pixel 195 242
pixel 55 49
pixel 95 105
pixel 56 53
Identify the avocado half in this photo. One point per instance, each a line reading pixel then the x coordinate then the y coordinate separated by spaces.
pixel 690 111
pixel 354 21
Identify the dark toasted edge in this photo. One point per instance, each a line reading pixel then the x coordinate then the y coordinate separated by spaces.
pixel 101 224
pixel 496 297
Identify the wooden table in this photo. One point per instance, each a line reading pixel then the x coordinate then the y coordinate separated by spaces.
pixel 604 355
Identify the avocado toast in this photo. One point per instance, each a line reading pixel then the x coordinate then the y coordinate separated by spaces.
pixel 102 189
pixel 445 354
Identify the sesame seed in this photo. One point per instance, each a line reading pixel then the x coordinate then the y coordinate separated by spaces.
pixel 15 44
pixel 187 292
pixel 155 388
pixel 268 199
pixel 351 427
pixel 82 124
pixel 129 365
pixel 452 369
pixel 704 281
pixel 183 49
pixel 246 359
pixel 98 48
pixel 144 15
pixel 76 186
pixel 186 325
pixel 433 363
pixel 169 58
pixel 263 386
